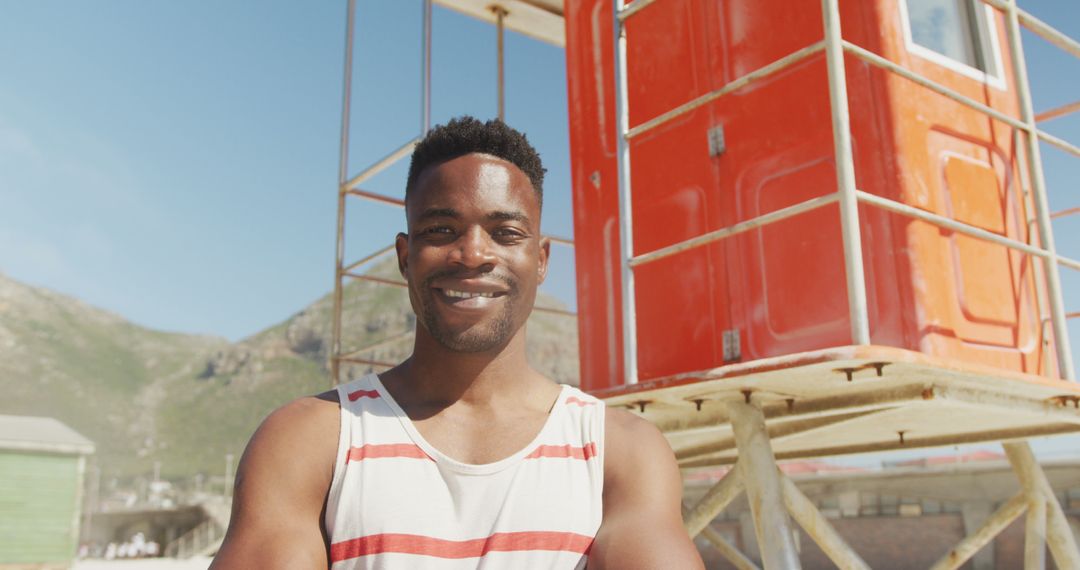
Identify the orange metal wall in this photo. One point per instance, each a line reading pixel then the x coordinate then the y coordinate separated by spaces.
pixel 782 287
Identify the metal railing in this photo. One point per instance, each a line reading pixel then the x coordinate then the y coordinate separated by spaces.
pixel 847 195
pixel 351 187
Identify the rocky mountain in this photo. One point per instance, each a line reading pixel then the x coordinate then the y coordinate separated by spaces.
pixel 186 401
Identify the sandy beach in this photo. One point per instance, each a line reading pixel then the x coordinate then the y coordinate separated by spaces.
pixel 197 563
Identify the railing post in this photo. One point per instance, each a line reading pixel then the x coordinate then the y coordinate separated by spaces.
pixel 845 175
pixel 626 225
pixel 1038 186
pixel 343 170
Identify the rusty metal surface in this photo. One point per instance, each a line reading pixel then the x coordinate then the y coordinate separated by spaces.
pixel 812 408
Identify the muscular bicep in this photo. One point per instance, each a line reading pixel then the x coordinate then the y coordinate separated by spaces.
pixel 281 488
pixel 642 526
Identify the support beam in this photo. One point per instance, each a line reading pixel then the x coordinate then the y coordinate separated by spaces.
pixel 824 406
pixel 1035 533
pixel 845 174
pixel 729 551
pixel 778 432
pixel 500 30
pixel 761 476
pixel 343 169
pixel 626 222
pixel 714 501
pixel 993 526
pixel 1058 534
pixel 818 528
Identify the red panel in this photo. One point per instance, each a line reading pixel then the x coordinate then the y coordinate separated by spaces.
pixel 782 287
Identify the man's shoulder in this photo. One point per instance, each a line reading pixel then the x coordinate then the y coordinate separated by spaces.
pixel 622 423
pixel 631 440
pixel 305 410
pixel 280 488
pixel 306 427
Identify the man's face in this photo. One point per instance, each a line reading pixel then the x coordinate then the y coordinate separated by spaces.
pixel 473 255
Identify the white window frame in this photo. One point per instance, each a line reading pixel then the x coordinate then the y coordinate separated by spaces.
pixel 995 80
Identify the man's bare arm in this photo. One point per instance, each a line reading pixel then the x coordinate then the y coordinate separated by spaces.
pixel 642 526
pixel 281 486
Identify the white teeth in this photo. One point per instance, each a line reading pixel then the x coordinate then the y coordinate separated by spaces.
pixel 465 295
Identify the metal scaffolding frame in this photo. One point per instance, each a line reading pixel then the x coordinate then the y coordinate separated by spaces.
pixel 774 499
pixel 772 496
pixel 352 186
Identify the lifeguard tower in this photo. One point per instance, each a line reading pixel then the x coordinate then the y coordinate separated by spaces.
pixel 806 229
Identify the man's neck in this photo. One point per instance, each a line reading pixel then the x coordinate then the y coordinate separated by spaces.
pixel 438 377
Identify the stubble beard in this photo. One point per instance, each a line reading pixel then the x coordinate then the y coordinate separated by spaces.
pixel 482 337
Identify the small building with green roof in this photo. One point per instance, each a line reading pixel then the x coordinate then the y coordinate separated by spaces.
pixel 42 464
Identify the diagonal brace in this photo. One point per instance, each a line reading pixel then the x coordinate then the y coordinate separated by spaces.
pixel 818 527
pixel 1059 536
pixel 715 501
pixel 993 526
pixel 726 549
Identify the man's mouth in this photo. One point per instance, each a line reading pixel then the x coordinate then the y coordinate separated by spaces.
pixel 469 299
pixel 468 295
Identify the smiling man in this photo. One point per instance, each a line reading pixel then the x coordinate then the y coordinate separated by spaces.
pixel 462 456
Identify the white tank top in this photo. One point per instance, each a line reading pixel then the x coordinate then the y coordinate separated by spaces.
pixel 396 502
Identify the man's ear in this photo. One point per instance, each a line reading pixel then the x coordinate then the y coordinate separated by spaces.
pixel 545 252
pixel 401 244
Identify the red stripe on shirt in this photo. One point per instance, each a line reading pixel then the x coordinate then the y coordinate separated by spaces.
pixel 354 396
pixel 384 450
pixel 474 548
pixel 588 451
pixel 578 401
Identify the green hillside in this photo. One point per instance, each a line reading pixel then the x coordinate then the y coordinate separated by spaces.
pixel 187 400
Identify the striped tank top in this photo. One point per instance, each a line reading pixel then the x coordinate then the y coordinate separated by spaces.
pixel 396 502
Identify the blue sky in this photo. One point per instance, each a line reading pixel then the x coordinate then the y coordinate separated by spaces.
pixel 176 162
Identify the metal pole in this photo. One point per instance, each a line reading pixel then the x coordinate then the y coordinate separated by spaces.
pixel 951 224
pixel 732 86
pixel 343 168
pixel 845 175
pixel 725 548
pixel 993 526
pixel 500 14
pixel 818 528
pixel 714 501
pixel 635 7
pixel 626 225
pixel 1040 28
pixel 738 228
pixel 425 73
pixel 1058 534
pixel 1042 209
pixel 763 489
pixel 878 61
pixel 1058 112
pixel 382 164
pixel 1035 533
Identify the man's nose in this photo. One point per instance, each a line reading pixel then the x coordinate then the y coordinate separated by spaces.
pixel 474 249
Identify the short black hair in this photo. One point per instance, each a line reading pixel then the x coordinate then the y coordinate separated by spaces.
pixel 466 135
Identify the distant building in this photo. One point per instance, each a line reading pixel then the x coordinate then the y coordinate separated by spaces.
pixel 42 462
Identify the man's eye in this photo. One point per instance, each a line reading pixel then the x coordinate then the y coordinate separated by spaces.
pixel 507 234
pixel 437 230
